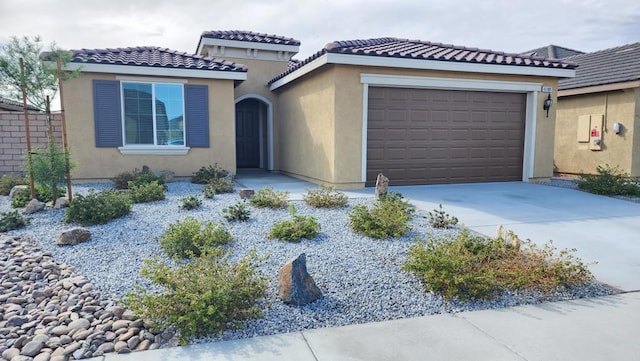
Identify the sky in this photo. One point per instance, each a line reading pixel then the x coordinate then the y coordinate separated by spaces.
pixel 501 25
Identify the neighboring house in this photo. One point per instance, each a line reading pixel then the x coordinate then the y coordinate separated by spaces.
pixel 598 115
pixel 419 112
pixel 14 106
pixel 553 52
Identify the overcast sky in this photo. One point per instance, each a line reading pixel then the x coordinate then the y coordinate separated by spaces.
pixel 505 25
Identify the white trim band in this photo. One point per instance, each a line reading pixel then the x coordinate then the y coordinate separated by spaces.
pixel 153 150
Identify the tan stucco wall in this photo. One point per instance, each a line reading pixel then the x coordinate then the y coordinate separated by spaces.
pixel 617 150
pixel 347 101
pixel 104 163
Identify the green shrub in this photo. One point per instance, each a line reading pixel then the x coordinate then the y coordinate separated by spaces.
pixel 218 186
pixel 49 169
pixel 389 217
pixel 187 239
pixel 472 267
pixel 609 181
pixel 43 194
pixel 237 212
pixel 325 197
pixel 12 220
pixel 204 297
pixel 98 207
pixel 8 181
pixel 267 197
pixel 205 174
pixel 295 229
pixel 438 218
pixel 146 192
pixel 137 177
pixel 190 202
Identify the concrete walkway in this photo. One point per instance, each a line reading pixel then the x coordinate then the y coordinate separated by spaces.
pixel 602 229
pixel 604 328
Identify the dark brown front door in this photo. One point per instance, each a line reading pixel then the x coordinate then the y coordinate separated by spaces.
pixel 248 134
pixel 427 136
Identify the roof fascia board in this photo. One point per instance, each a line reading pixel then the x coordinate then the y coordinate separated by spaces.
pixel 247 45
pixel 447 83
pixel 599 88
pixel 154 71
pixel 303 70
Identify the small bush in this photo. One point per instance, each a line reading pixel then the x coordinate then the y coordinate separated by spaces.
pixel 218 186
pixel 137 177
pixel 43 194
pixel 267 197
pixel 190 202
pixel 609 181
pixel 326 197
pixel 21 198
pixel 204 297
pixel 438 218
pixel 8 181
pixel 188 238
pixel 237 212
pixel 12 220
pixel 146 192
pixel 297 228
pixel 98 207
pixel 205 174
pixel 474 267
pixel 388 218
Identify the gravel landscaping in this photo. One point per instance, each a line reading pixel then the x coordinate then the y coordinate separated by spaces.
pixel 360 277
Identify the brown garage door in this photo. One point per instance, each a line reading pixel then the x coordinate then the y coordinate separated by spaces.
pixel 427 136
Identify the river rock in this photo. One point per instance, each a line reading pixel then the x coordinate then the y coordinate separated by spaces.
pixel 295 284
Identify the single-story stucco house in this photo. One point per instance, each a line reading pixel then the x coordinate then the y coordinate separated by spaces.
pixel 600 105
pixel 420 112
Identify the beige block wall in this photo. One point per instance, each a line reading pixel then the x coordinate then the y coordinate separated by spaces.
pixel 617 150
pixel 94 163
pixel 306 125
pixel 348 119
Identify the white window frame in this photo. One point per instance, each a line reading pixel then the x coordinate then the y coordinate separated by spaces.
pixel 152 149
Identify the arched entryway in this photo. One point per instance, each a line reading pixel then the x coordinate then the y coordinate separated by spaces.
pixel 254 133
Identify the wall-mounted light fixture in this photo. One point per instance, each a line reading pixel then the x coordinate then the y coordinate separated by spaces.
pixel 547 104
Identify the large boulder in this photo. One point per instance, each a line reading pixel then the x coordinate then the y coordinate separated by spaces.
pixel 16 189
pixel 382 185
pixel 295 284
pixel 246 193
pixel 61 202
pixel 73 236
pixel 33 206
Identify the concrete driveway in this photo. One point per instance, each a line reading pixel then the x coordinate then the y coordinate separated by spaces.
pixel 602 229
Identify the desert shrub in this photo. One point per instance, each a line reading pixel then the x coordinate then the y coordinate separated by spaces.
pixel 23 196
pixel 236 212
pixel 48 170
pixel 609 181
pixel 295 229
pixel 137 177
pixel 267 197
pixel 187 239
pixel 325 197
pixel 391 196
pixel 474 267
pixel 205 174
pixel 438 218
pixel 12 220
pixel 389 217
pixel 190 202
pixel 8 181
pixel 146 192
pixel 218 186
pixel 206 296
pixel 98 207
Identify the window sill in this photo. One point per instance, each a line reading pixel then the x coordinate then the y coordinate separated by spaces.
pixel 153 150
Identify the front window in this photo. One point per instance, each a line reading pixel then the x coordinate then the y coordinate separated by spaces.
pixel 153 114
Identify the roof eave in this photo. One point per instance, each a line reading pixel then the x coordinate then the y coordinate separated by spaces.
pixel 598 88
pixel 156 71
pixel 204 41
pixel 378 61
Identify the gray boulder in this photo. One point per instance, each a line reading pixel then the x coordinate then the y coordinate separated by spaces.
pixel 295 284
pixel 382 185
pixel 33 206
pixel 73 236
pixel 61 202
pixel 246 193
pixel 16 189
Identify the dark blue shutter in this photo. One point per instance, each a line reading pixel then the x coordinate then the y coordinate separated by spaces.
pixel 196 98
pixel 107 113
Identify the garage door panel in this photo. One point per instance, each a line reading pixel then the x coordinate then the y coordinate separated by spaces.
pixel 426 136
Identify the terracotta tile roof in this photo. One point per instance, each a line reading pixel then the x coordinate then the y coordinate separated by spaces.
pixel 250 36
pixel 153 57
pixel 14 105
pixel 615 65
pixel 553 51
pixel 423 50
